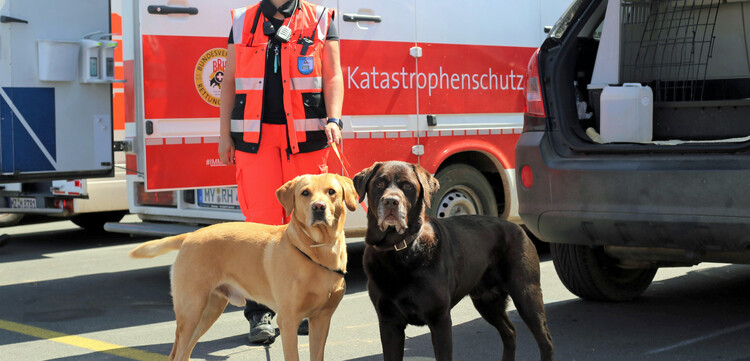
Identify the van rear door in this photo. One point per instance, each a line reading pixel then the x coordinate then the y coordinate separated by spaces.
pixel 55 99
pixel 183 53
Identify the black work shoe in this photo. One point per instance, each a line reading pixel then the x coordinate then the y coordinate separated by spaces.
pixel 261 330
pixel 304 328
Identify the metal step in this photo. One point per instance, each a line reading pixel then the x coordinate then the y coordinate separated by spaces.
pixel 149 229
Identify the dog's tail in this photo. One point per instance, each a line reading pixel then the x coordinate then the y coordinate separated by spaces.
pixel 158 247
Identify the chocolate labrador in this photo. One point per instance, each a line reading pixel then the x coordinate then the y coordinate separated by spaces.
pixel 419 267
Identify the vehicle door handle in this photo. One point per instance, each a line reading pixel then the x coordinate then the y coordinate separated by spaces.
pixel 353 18
pixel 167 10
pixel 7 19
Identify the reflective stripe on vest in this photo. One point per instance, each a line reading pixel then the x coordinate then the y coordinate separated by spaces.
pixel 302 76
pixel 250 129
pixel 245 125
pixel 322 29
pixel 310 125
pixel 307 83
pixel 248 84
pixel 253 125
pixel 238 23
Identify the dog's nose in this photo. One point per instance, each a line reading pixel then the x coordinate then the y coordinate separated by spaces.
pixel 390 201
pixel 319 206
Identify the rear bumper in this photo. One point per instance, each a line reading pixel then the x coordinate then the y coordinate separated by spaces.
pixel 45 211
pixel 677 201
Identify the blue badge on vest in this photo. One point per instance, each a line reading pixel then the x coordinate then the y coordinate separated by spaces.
pixel 305 64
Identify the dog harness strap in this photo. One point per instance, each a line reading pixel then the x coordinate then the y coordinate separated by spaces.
pixel 343 273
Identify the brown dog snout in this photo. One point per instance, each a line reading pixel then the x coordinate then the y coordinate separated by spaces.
pixel 392 212
pixel 390 202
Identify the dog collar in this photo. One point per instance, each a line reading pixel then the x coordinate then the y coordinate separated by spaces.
pixel 343 273
pixel 400 246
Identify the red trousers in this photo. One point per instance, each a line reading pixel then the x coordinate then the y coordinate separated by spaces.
pixel 260 175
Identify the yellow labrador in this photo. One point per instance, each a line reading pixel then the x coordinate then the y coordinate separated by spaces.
pixel 295 269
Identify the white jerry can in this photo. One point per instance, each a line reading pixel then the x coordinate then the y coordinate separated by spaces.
pixel 627 113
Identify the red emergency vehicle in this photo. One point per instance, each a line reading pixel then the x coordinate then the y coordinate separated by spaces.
pixel 434 83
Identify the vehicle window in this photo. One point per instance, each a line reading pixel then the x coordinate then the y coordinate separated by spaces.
pixel 598 32
pixel 562 24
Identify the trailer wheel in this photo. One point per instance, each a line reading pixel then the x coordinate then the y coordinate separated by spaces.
pixel 463 190
pixel 10 219
pixel 95 221
pixel 590 274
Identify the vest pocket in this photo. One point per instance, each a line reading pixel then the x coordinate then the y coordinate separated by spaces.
pixel 315 106
pixel 238 112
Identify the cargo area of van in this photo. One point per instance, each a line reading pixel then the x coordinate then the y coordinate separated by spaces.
pixel 663 73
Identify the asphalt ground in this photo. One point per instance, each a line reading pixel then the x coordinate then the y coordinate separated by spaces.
pixel 66 294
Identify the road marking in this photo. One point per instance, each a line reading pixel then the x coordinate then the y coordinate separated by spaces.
pixel 361 326
pixel 701 338
pixel 81 342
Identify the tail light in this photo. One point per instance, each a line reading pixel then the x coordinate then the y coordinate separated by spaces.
pixel 534 106
pixel 64 204
pixel 527 176
pixel 160 199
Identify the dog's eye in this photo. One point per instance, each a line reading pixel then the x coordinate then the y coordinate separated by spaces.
pixel 331 191
pixel 408 186
pixel 379 184
pixel 305 193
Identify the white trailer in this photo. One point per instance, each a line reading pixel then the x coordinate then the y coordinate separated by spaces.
pixel 57 68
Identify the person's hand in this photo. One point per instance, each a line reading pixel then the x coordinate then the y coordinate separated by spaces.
pixel 333 133
pixel 226 150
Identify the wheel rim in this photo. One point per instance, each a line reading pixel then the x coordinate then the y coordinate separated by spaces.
pixel 459 201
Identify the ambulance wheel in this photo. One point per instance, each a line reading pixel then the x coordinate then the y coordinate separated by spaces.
pixel 10 219
pixel 95 221
pixel 463 190
pixel 591 274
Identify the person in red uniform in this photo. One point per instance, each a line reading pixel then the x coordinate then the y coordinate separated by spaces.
pixel 281 102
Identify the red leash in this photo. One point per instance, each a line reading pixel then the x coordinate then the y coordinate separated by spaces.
pixel 344 165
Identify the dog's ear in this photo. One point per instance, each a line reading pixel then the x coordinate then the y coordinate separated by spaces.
pixel 285 195
pixel 362 179
pixel 430 184
pixel 350 194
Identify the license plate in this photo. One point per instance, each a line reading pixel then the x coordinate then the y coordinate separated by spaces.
pixel 225 198
pixel 22 203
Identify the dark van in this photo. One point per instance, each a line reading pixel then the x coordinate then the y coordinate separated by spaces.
pixel 635 152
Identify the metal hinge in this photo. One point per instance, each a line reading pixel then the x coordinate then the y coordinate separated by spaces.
pixel 122 146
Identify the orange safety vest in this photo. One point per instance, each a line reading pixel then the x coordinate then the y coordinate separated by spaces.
pixel 302 77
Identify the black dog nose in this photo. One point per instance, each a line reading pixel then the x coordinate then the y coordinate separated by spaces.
pixel 390 201
pixel 319 206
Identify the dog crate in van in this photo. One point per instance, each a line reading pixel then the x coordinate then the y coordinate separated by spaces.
pixel 692 54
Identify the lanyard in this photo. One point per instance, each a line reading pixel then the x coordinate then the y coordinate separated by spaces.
pixel 344 165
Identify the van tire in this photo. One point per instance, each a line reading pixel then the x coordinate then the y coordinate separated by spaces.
pixel 463 190
pixel 95 221
pixel 590 274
